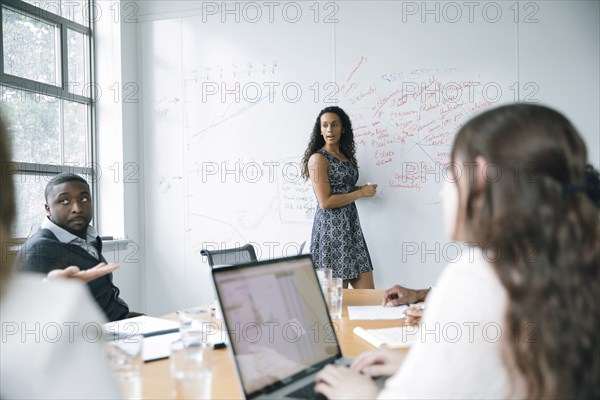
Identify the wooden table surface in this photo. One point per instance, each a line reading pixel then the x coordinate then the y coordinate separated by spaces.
pixel 225 385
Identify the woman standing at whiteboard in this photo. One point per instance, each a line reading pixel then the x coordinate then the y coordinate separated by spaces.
pixel 330 163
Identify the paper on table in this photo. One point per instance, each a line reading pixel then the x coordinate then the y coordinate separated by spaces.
pixel 142 325
pixel 376 312
pixel 158 347
pixel 393 338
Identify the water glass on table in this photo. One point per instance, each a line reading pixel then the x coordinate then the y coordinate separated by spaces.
pixel 125 359
pixel 332 291
pixel 191 369
pixel 324 275
pixel 193 323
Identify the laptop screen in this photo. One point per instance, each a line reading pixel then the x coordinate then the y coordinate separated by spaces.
pixel 277 320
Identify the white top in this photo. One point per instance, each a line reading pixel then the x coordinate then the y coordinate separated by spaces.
pixel 67 237
pixel 50 345
pixel 458 354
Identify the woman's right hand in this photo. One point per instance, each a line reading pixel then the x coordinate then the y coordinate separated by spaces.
pixel 381 362
pixel 414 314
pixel 368 190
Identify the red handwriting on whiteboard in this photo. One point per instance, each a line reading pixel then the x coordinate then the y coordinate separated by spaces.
pixel 361 95
pixel 350 85
pixel 360 63
pixel 383 157
pixel 394 117
pixel 406 182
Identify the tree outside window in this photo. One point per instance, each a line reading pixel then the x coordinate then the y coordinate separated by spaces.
pixel 46 91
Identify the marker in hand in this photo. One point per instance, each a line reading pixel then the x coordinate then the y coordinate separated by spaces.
pixel 374 188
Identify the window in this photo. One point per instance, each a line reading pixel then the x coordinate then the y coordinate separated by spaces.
pixel 46 92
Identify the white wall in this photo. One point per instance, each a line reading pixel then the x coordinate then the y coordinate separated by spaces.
pixel 120 204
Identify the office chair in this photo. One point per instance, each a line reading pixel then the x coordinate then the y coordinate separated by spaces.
pixel 301 247
pixel 236 255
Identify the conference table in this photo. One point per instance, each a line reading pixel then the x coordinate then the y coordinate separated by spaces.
pixel 157 379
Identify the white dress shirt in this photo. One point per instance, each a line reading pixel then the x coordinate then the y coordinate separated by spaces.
pixel 64 236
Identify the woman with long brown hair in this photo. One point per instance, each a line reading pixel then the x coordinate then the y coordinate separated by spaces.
pixel 517 315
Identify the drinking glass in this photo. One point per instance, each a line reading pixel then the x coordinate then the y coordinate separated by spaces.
pixel 191 369
pixel 332 291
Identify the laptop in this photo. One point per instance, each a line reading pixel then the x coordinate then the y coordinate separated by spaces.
pixel 278 324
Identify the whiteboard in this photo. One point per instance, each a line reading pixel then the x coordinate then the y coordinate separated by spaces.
pixel 230 96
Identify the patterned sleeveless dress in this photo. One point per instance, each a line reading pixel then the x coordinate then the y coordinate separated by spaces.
pixel 337 240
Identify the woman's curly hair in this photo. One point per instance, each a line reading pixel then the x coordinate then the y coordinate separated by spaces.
pixel 316 141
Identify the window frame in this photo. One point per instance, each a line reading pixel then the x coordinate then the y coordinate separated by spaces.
pixel 58 92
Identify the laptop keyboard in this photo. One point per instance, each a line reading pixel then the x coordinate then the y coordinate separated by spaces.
pixel 307 392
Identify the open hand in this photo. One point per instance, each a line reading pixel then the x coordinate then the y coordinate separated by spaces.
pixel 86 275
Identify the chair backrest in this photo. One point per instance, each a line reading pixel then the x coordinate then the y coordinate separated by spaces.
pixel 301 247
pixel 233 256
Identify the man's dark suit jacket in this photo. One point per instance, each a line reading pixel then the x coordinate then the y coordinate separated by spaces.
pixel 43 252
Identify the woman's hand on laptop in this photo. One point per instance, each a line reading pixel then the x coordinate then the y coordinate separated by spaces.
pixel 382 362
pixel 338 382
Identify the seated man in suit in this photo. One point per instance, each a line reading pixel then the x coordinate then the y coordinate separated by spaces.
pixel 67 239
